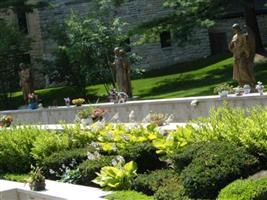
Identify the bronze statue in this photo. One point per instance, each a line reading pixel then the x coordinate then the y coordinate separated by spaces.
pixel 127 87
pixel 243 48
pixel 26 81
pixel 122 69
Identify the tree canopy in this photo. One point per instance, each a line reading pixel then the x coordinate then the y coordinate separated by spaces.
pixel 189 15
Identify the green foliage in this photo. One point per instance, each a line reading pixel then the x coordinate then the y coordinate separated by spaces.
pixel 127 195
pixel 235 125
pixel 149 183
pixel 223 87
pixel 37 180
pixel 54 165
pixel 15 148
pixel 89 168
pixel 181 158
pixel 47 143
pixel 118 177
pixel 15 177
pixel 214 166
pixel 85 48
pixel 245 190
pixel 13 46
pixel 144 154
pixel 174 140
pixel 172 189
pixel 71 176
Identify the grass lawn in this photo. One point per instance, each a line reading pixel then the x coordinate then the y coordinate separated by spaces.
pixel 196 78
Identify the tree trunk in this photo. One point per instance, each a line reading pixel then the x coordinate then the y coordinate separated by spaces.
pixel 251 21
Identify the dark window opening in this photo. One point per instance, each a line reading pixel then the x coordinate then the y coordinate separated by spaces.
pixel 128 45
pixel 22 22
pixel 218 42
pixel 165 39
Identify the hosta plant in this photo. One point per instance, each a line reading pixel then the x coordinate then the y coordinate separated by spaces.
pixel 118 177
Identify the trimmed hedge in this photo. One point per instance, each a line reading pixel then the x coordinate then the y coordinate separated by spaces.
pixel 149 183
pixel 89 168
pixel 214 166
pixel 144 154
pixel 171 189
pixel 15 150
pixel 127 195
pixel 53 166
pixel 245 190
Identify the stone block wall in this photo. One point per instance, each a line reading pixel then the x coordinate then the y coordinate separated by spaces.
pixel 134 13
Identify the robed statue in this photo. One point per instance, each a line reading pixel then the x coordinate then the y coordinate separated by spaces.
pixel 122 69
pixel 26 81
pixel 243 48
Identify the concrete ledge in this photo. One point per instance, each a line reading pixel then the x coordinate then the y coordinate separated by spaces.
pixel 54 191
pixel 184 109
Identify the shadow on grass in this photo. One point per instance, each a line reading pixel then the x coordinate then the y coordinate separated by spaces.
pixel 186 82
pixel 186 66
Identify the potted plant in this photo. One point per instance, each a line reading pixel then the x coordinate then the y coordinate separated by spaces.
pixel 84 116
pixel 67 101
pixel 260 88
pixel 5 121
pixel 78 102
pixel 223 89
pixel 158 118
pixel 37 180
pixel 98 114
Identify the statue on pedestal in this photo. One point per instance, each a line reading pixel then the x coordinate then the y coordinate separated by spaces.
pixel 243 48
pixel 26 81
pixel 122 69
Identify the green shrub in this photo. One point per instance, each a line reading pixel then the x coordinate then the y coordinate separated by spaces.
pixel 56 164
pixel 172 189
pixel 235 125
pixel 48 143
pixel 127 195
pixel 149 183
pixel 245 190
pixel 181 158
pixel 214 166
pixel 89 168
pixel 144 154
pixel 117 177
pixel 15 148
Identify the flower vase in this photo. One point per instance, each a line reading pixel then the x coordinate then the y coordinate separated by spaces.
pixel 37 185
pixel 96 119
pixel 261 92
pixel 33 105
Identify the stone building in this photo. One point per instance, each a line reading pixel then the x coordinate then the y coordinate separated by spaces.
pixel 159 54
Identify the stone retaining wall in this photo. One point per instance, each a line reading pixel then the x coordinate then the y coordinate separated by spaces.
pixel 183 109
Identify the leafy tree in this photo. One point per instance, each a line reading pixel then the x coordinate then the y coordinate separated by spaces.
pixel 189 15
pixel 85 47
pixel 13 46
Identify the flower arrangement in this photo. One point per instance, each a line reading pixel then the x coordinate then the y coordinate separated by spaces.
pixel 223 87
pixel 6 120
pixel 67 101
pixel 78 102
pixel 33 101
pixel 84 114
pixel 158 118
pixel 97 114
pixel 37 180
